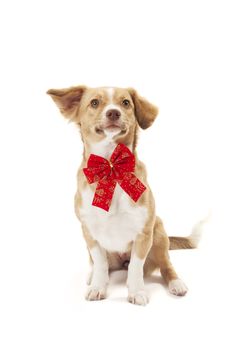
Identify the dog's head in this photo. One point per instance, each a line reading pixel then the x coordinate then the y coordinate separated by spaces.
pixel 100 111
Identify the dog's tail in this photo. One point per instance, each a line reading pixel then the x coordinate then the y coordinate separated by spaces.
pixel 192 240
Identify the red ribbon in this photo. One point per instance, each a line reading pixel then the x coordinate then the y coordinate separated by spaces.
pixel 119 169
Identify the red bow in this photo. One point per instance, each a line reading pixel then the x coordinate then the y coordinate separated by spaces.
pixel 119 169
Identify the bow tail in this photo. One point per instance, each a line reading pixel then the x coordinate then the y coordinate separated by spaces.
pixel 132 186
pixel 104 193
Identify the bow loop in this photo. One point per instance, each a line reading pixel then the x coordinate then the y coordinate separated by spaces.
pixel 123 159
pixel 97 168
pixel 119 169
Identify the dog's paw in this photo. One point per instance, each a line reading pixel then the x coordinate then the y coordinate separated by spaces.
pixel 96 293
pixel 138 298
pixel 177 287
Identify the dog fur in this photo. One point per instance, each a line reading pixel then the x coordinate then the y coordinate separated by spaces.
pixel 130 235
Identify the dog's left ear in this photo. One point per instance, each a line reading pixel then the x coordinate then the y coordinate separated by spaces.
pixel 145 112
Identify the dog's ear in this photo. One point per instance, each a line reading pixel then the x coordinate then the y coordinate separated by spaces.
pixel 145 112
pixel 68 100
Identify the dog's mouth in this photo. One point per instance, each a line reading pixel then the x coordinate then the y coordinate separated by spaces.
pixel 111 127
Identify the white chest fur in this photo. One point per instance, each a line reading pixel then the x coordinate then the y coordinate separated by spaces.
pixel 115 229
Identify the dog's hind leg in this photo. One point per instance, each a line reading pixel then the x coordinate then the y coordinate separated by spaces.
pixel 158 257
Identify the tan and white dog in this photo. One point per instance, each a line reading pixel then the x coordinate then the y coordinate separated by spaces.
pixel 129 234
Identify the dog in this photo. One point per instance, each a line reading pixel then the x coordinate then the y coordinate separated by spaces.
pixel 128 234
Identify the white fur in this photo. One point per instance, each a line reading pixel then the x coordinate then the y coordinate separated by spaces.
pixel 137 294
pixel 135 274
pixel 110 105
pixel 139 298
pixel 100 270
pixel 177 287
pixel 198 230
pixel 114 229
pixel 110 92
pixel 99 278
pixel 105 147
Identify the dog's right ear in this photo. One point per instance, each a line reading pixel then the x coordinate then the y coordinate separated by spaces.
pixel 68 100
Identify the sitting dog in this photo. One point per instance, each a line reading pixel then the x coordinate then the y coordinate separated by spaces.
pixel 113 201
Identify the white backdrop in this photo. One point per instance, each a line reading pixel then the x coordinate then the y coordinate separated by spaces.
pixel 179 55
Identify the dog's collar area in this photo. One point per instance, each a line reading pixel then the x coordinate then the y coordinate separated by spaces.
pixel 107 173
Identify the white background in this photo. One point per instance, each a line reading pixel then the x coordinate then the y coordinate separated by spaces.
pixel 179 55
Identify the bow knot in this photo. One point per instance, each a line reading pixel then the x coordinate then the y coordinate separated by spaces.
pixel 119 169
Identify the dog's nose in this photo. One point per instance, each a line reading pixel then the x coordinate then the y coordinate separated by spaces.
pixel 113 114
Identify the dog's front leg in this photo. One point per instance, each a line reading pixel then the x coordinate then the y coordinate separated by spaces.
pixel 99 277
pixel 135 282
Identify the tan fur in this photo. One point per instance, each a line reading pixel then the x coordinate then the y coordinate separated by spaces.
pixel 144 111
pixel 158 256
pixel 89 240
pixel 144 240
pixel 68 100
pixel 181 243
pixel 152 243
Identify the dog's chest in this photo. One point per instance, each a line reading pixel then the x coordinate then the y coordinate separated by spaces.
pixel 114 230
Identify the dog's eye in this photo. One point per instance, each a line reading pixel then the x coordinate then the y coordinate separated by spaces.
pixel 95 103
pixel 126 103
